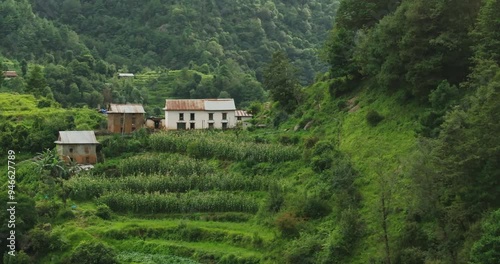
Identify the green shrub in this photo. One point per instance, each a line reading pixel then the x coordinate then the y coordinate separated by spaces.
pixel 20 258
pixel 288 140
pixel 313 207
pixel 288 224
pixel 103 212
pixel 303 250
pixel 321 163
pixel 90 252
pixel 65 214
pixel 373 117
pixel 275 199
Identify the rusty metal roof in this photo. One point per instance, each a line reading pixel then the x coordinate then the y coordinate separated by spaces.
pixel 242 113
pixel 76 137
pixel 126 109
pixel 199 104
pixel 10 74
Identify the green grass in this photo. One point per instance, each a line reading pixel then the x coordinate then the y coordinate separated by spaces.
pixel 378 152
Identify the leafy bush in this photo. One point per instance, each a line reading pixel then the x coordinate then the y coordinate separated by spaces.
pixel 20 258
pixel 103 212
pixel 313 207
pixel 487 249
pixel 303 250
pixel 288 140
pixel 275 199
pixel 373 117
pixel 321 163
pixel 288 224
pixel 90 252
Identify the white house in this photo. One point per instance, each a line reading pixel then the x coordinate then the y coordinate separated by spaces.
pixel 243 117
pixel 199 114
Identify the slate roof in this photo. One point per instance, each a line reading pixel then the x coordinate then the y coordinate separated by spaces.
pixel 199 104
pixel 76 137
pixel 126 109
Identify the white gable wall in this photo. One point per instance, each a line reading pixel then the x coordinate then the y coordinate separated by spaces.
pixel 201 119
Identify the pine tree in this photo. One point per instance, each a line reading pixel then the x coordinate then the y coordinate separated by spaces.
pixel 280 79
pixel 36 82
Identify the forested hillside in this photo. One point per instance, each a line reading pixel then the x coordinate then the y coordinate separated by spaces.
pixel 83 44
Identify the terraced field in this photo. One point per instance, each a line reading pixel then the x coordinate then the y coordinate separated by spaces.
pixel 180 203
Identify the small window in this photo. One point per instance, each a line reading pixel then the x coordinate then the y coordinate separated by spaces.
pixel 191 126
pixel 181 126
pixel 210 116
pixel 181 116
pixel 70 150
pixel 86 148
pixel 224 125
pixel 191 117
pixel 224 116
pixel 210 125
pixel 239 118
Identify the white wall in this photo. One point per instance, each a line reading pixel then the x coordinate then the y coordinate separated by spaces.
pixel 201 119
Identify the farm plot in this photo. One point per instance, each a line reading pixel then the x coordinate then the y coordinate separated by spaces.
pixel 182 187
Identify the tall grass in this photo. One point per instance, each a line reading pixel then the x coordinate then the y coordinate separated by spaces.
pixel 170 163
pixel 87 187
pixel 221 146
pixel 150 203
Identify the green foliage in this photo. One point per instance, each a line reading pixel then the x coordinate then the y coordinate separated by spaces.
pixel 373 117
pixel 174 203
pixel 275 200
pixel 313 207
pixel 93 252
pixel 280 80
pixel 20 258
pixel 206 145
pixel 302 250
pixel 103 212
pixel 89 187
pixel 288 224
pixel 487 249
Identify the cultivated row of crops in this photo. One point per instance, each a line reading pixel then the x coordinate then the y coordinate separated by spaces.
pixel 88 187
pixel 165 163
pixel 205 145
pixel 122 201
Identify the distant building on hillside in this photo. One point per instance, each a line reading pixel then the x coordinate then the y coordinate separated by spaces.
pixel 199 114
pixel 9 74
pixel 125 118
pixel 77 146
pixel 125 75
pixel 155 122
pixel 243 117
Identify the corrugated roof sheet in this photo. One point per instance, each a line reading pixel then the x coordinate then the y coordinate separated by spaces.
pixel 10 74
pixel 125 74
pixel 76 137
pixel 199 104
pixel 219 104
pixel 242 113
pixel 184 104
pixel 126 108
